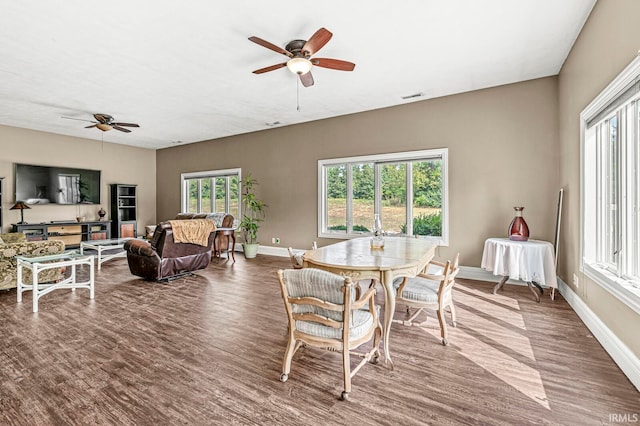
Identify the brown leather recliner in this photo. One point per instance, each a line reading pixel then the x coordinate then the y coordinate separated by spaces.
pixel 163 259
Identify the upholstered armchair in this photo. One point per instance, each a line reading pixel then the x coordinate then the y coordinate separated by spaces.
pixel 430 289
pixel 16 244
pixel 163 259
pixel 324 311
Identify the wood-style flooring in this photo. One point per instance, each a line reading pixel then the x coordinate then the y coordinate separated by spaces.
pixel 207 350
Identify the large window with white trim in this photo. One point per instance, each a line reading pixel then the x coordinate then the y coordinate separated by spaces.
pixel 407 189
pixel 610 137
pixel 214 191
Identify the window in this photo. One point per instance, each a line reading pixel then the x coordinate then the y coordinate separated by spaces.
pixel 211 192
pixel 610 185
pixel 408 190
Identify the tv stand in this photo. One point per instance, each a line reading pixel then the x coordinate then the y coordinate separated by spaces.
pixel 70 232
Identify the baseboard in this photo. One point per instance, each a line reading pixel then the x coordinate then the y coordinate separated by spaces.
pixel 628 362
pixel 479 274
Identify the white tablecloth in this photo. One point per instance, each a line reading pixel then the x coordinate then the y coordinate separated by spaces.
pixel 531 260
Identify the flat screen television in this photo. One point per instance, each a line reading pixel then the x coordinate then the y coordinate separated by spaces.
pixel 56 185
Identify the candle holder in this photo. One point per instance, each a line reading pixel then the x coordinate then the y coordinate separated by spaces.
pixel 377 241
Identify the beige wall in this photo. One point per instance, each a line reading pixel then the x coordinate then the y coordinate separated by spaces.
pixel 608 42
pixel 118 163
pixel 502 153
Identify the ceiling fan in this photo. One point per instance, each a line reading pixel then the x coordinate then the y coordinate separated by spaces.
pixel 300 53
pixel 105 123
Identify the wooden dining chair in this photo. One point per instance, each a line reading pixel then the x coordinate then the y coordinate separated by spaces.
pixel 429 290
pixel 324 312
pixel 296 258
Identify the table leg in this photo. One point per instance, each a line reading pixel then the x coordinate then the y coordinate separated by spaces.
pixel 91 279
pixel 530 284
pixel 553 293
pixel 19 278
pixel 500 284
pixel 233 247
pixel 35 287
pixel 389 309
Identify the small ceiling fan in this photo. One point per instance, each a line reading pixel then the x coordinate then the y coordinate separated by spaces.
pixel 105 123
pixel 300 53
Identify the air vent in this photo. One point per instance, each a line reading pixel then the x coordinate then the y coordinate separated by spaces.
pixel 272 124
pixel 415 95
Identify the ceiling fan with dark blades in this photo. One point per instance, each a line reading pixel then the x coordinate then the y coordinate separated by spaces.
pixel 105 122
pixel 300 54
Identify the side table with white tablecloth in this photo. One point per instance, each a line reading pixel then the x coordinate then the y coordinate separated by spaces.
pixel 531 261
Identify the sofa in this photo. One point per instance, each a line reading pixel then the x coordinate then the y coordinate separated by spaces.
pixel 162 258
pixel 16 244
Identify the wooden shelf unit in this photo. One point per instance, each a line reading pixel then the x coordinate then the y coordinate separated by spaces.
pixel 71 233
pixel 124 210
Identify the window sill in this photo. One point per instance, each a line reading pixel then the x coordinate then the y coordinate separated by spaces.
pixel 439 240
pixel 624 290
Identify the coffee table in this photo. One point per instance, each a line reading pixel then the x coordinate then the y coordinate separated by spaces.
pixel 102 246
pixel 36 264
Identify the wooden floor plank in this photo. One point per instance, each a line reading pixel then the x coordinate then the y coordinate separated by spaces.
pixel 207 349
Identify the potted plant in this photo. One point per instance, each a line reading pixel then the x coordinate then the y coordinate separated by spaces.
pixel 252 214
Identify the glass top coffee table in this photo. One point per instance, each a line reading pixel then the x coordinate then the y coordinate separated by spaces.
pixel 63 260
pixel 102 246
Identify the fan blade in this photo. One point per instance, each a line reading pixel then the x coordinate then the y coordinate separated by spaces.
pixel 306 79
pixel 271 46
pixel 334 64
pixel 316 42
pixel 125 124
pixel 103 118
pixel 93 125
pixel 271 68
pixel 79 119
pixel 122 129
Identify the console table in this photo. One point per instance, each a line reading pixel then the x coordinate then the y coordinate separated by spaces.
pixel 40 263
pixel 70 232
pixel 531 261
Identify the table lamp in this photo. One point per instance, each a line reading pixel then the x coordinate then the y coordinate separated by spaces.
pixel 20 205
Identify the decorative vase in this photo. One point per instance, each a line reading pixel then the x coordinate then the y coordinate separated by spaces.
pixel 101 214
pixel 377 241
pixel 518 230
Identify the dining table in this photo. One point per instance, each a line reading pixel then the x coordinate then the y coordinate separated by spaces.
pixel 355 258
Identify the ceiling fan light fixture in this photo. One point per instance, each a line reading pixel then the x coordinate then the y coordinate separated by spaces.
pixel 299 65
pixel 104 127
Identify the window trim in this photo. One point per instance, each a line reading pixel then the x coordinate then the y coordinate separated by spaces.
pixel 442 153
pixel 622 289
pixel 209 174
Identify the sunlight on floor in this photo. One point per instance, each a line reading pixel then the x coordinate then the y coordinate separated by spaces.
pixel 515 364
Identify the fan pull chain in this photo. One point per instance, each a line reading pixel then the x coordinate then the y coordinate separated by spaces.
pixel 298 94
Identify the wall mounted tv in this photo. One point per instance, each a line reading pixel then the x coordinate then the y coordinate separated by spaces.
pixel 56 185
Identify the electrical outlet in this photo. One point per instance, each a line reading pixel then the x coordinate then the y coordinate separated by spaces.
pixel 277 240
pixel 576 281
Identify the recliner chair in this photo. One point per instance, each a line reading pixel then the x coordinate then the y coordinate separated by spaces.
pixel 163 259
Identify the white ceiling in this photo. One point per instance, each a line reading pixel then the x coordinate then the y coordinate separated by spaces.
pixel 182 69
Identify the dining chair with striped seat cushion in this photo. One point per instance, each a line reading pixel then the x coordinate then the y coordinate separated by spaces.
pixel 429 291
pixel 324 311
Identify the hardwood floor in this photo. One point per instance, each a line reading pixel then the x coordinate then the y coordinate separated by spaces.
pixel 207 350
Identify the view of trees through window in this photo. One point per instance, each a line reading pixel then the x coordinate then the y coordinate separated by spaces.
pixel 424 196
pixel 224 197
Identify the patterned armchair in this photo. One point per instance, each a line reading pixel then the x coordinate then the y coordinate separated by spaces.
pixel 16 244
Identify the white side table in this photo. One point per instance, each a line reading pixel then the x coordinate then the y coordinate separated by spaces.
pixel 102 246
pixel 36 264
pixel 530 261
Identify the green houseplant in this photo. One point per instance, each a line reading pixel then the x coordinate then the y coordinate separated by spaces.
pixel 253 210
